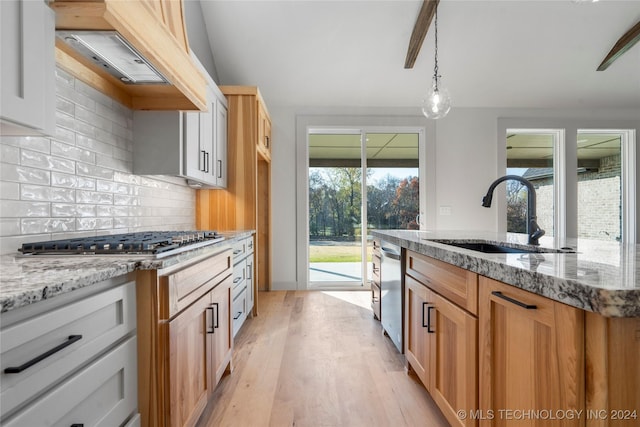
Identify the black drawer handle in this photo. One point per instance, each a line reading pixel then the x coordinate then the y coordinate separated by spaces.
pixel 238 251
pixel 77 425
pixel 237 316
pixel 237 280
pixel 30 363
pixel 212 329
pixel 428 324
pixel 514 301
pixel 216 325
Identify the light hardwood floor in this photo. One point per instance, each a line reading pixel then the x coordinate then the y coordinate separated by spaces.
pixel 313 359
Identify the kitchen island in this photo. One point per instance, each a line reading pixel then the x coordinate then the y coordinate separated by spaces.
pixel 501 332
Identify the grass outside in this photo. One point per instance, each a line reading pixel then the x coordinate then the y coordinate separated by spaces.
pixel 336 253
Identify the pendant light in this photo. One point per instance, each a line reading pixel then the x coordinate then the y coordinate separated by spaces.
pixel 437 101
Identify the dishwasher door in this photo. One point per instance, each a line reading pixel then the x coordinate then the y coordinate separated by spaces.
pixel 391 293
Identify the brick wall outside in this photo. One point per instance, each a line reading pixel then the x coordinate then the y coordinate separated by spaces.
pixel 599 201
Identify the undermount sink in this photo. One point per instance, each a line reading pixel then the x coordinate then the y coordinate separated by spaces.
pixel 497 248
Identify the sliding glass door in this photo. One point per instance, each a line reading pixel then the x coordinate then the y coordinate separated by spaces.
pixel 358 181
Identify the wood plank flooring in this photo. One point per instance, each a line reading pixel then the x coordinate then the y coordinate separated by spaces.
pixel 315 359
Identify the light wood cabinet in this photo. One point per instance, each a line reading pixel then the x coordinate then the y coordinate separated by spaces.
pixel 156 29
pixel 531 356
pixel 27 69
pixel 246 202
pixel 441 339
pixel 185 341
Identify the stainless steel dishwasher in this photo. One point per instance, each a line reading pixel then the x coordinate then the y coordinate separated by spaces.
pixel 391 292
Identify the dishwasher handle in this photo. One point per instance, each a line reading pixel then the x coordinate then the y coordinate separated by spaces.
pixel 390 253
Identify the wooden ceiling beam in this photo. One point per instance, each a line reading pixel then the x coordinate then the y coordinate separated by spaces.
pixel 427 11
pixel 625 43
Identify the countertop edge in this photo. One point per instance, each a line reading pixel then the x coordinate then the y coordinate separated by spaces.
pixel 118 266
pixel 606 302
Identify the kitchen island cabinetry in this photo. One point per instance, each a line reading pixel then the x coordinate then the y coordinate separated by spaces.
pixel 531 356
pixel 28 95
pixel 184 325
pixel 72 360
pixel 440 336
pixel 246 202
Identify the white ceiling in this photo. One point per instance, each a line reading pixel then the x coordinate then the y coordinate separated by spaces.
pixel 491 53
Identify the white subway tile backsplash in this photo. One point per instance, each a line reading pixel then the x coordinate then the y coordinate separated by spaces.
pixel 59 179
pixel 93 144
pixel 24 174
pixel 83 196
pixel 72 152
pixel 17 209
pixel 94 171
pixel 9 154
pixel 80 181
pixel 9 190
pixel 46 225
pixel 63 210
pixel 44 161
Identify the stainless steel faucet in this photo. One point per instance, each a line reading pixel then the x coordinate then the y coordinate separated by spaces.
pixel 533 229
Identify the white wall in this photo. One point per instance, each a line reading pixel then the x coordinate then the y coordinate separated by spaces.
pixel 466 162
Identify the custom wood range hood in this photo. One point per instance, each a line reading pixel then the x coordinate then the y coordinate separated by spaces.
pixel 156 30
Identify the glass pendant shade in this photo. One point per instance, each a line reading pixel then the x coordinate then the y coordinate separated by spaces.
pixel 437 101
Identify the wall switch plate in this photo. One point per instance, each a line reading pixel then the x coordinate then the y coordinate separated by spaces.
pixel 445 210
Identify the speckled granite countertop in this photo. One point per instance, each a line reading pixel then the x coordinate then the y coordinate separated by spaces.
pixel 602 277
pixel 28 279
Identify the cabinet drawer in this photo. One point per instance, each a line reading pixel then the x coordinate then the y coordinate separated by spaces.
pixel 454 283
pixel 103 394
pixel 239 273
pixel 187 285
pixel 242 248
pixel 239 310
pixel 100 320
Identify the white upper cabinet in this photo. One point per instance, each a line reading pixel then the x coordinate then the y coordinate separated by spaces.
pixel 189 144
pixel 27 68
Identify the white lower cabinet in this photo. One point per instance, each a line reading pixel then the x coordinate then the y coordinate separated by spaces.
pixel 102 394
pixel 243 283
pixel 74 362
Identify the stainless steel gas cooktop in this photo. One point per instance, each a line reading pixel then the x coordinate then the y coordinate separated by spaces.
pixel 156 243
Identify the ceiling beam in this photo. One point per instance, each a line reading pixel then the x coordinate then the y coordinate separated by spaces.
pixel 625 43
pixel 427 11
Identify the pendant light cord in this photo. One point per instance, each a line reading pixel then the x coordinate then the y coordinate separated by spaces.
pixel 435 67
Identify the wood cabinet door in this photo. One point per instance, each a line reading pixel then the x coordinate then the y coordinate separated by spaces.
pixel 222 336
pixel 531 358
pixel 189 361
pixel 417 343
pixel 453 360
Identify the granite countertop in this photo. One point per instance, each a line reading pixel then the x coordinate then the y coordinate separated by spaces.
pixel 28 279
pixel 602 277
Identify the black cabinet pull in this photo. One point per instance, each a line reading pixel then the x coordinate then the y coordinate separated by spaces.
pixel 429 319
pixel 423 324
pixel 217 324
pixel 77 425
pixel 428 324
pixel 237 279
pixel 237 316
pixel 514 301
pixel 30 363
pixel 204 159
pixel 212 329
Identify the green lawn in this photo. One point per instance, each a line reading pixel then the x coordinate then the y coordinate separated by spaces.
pixel 332 253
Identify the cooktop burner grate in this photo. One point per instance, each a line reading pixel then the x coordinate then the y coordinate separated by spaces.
pixel 146 242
